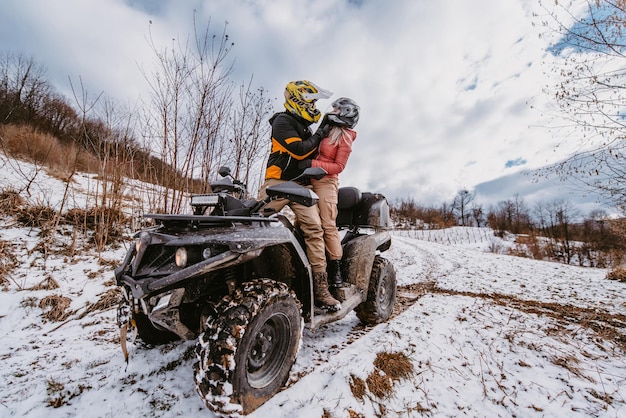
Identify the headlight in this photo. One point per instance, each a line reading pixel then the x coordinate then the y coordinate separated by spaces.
pixel 207 253
pixel 181 257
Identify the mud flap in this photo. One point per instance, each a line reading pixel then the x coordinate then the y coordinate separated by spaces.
pixel 358 260
pixel 125 321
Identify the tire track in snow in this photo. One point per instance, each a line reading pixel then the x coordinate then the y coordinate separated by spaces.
pixel 416 266
pixel 419 266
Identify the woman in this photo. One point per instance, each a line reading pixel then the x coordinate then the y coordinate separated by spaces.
pixel 333 154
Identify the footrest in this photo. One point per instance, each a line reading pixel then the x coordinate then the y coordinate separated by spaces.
pixel 344 293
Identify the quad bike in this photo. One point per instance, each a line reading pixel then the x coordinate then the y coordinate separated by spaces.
pixel 239 281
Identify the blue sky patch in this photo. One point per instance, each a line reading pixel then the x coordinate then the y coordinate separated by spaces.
pixel 515 163
pixel 598 24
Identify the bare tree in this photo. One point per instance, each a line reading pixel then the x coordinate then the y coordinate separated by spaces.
pixel 590 89
pixel 249 130
pixel 510 215
pixel 461 205
pixel 556 220
pixel 23 88
pixel 446 212
pixel 478 214
pixel 107 132
pixel 190 94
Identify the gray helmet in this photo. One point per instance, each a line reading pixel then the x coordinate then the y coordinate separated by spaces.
pixel 345 113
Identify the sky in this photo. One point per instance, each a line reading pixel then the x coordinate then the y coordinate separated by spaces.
pixel 450 91
pixel 487 334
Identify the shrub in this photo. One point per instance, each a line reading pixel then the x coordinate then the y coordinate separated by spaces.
pixel 10 201
pixel 619 274
pixel 37 216
pixel 55 307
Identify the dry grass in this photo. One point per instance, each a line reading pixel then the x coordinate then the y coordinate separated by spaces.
pixel 388 367
pixel 109 299
pixel 607 326
pixel 55 308
pixel 618 274
pixel 8 262
pixel 37 216
pixel 395 365
pixel 4 282
pixel 357 387
pixel 107 223
pixel 326 414
pixel 570 363
pixel 10 202
pixel 26 143
pixel 93 217
pixel 379 384
pixel 46 284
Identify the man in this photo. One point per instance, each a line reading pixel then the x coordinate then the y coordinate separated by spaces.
pixel 292 141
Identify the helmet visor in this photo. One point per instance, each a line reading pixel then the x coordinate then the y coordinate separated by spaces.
pixel 321 93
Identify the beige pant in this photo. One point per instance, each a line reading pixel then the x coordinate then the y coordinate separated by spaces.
pixel 327 190
pixel 308 221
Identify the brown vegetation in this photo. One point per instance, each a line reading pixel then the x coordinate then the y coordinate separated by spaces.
pixel 388 368
pixel 36 216
pixel 46 284
pixel 10 201
pixel 8 262
pixel 379 384
pixel 395 365
pixel 357 387
pixel 55 307
pixel 29 144
pixel 618 274
pixel 109 299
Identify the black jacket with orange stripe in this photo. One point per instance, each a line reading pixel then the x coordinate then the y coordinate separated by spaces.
pixel 292 141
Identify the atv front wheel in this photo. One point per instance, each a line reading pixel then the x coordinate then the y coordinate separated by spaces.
pixel 381 294
pixel 246 353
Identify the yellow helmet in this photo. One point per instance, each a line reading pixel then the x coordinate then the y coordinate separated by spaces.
pixel 300 98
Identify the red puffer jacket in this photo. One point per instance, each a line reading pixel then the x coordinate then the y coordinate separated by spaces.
pixel 334 157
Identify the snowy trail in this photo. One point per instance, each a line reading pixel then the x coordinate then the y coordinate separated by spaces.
pixel 474 357
pixel 487 334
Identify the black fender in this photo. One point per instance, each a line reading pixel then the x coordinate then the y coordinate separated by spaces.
pixel 358 257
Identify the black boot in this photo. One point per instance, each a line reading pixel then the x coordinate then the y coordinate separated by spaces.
pixel 322 296
pixel 334 273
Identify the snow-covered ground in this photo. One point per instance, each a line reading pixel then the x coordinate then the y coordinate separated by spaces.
pixel 487 335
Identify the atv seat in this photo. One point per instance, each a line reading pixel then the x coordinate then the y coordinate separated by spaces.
pixel 240 208
pixel 348 198
pixel 356 209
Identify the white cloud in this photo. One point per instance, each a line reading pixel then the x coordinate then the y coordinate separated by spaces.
pixel 445 87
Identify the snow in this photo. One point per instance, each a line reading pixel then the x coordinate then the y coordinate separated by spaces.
pixel 488 335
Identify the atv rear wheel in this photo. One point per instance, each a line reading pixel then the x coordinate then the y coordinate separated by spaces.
pixel 381 294
pixel 246 353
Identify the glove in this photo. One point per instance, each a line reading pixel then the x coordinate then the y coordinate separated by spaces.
pixel 304 164
pixel 324 128
pixel 316 138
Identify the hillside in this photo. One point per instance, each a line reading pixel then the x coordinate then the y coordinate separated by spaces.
pixel 485 334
